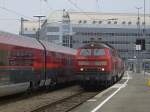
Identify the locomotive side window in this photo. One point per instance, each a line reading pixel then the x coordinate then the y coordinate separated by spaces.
pixel 99 52
pixel 86 52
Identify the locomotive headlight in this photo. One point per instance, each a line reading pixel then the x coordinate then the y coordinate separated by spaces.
pixel 81 69
pixel 103 69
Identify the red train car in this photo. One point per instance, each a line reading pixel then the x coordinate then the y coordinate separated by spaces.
pixel 26 63
pixel 98 64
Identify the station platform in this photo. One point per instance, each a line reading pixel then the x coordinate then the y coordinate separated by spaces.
pixel 130 94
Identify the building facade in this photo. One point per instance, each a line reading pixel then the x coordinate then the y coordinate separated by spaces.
pixel 73 29
pixel 28 28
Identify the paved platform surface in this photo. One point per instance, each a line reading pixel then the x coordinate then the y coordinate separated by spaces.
pixel 131 94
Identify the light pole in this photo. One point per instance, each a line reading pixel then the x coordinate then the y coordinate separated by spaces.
pixel 39 27
pixel 144 20
pixel 138 47
pixel 138 20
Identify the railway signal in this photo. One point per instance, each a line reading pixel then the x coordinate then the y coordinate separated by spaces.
pixel 140 44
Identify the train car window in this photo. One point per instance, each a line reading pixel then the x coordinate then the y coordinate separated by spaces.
pixel 58 57
pixel 49 57
pixel 86 52
pixel 4 57
pixel 99 52
pixel 18 54
pixel 69 60
pixel 21 57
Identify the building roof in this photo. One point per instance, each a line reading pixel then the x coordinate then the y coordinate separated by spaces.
pixel 99 18
pixel 90 19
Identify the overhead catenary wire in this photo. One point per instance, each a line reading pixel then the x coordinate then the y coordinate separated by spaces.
pixel 85 13
pixel 47 4
pixel 14 12
pixel 97 5
pixel 100 4
pixel 76 6
pixel 10 19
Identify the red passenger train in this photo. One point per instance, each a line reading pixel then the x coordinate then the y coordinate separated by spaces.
pixel 98 64
pixel 26 63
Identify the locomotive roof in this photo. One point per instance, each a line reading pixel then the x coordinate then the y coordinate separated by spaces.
pixel 17 40
pixel 97 45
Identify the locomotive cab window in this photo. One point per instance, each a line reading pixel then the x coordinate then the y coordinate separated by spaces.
pixel 85 52
pixel 99 52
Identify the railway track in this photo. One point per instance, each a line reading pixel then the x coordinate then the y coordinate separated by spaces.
pixel 26 95
pixel 28 104
pixel 67 104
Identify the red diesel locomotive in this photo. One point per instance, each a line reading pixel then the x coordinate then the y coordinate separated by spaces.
pixel 98 64
pixel 26 63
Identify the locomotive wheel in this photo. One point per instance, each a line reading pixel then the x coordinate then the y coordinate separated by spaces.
pixel 110 82
pixel 117 78
pixel 34 86
pixel 54 82
pixel 106 84
pixel 113 79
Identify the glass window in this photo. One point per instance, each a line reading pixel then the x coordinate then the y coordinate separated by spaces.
pixel 26 29
pixel 79 21
pixel 4 57
pixel 94 22
pixel 85 21
pixel 34 29
pixel 53 29
pixel 123 22
pixel 99 52
pixel 129 22
pixel 138 23
pixel 115 22
pixel 109 22
pixel 23 58
pixel 100 22
pixel 143 23
pixel 85 52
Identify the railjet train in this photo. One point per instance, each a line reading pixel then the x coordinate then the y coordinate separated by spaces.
pixel 27 63
pixel 98 64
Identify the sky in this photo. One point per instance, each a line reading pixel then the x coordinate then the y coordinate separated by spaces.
pixel 12 10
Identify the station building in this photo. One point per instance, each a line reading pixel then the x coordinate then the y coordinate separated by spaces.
pixel 121 30
pixel 28 28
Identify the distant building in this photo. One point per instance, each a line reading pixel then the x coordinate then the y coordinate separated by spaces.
pixel 58 29
pixel 29 28
pixel 74 29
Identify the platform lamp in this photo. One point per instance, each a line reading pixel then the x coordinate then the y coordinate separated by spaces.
pixel 39 27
